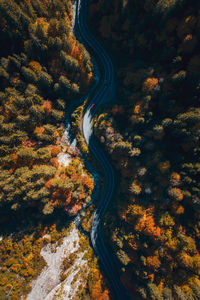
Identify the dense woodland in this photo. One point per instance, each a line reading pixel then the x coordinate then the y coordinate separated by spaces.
pixel 42 69
pixel 152 135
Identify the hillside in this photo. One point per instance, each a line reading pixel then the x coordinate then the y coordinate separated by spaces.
pixel 45 68
pixel 152 136
pixel 43 179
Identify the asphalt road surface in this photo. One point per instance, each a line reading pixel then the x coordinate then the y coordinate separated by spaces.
pixel 104 93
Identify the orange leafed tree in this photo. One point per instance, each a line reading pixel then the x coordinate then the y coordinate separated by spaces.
pixel 35 66
pixel 54 162
pixel 147 226
pixel 175 178
pixel 196 264
pixel 56 193
pixel 68 198
pixel 48 183
pixel 6 113
pixel 55 203
pixel 47 105
pixel 176 194
pixel 39 130
pixel 56 134
pixel 137 109
pixel 14 157
pixel 89 77
pixel 185 260
pixel 55 150
pixel 153 262
pixel 177 209
pixel 82 196
pixel 88 182
pixel 105 295
pixel 135 188
pixel 77 53
pixel 150 84
pixel 96 291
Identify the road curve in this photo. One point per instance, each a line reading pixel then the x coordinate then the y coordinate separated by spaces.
pixel 104 93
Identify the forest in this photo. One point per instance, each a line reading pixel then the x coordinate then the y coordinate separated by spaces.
pixel 151 134
pixel 43 68
pixel 152 137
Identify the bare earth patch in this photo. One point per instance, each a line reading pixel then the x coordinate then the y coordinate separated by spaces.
pixel 48 285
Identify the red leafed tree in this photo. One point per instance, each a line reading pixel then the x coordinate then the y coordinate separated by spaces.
pixel 28 143
pixel 54 162
pixel 105 295
pixel 96 291
pixel 48 183
pixel 55 150
pixel 77 53
pixel 47 105
pixel 55 203
pixel 68 198
pixel 56 194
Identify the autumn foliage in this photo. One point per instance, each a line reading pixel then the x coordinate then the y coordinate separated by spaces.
pixel 36 85
pixel 147 226
pixel 47 105
pixel 153 262
pixel 35 66
pixel 153 142
pixel 149 84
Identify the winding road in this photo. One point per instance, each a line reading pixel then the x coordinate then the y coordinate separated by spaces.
pixel 104 93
